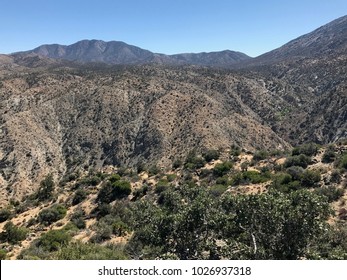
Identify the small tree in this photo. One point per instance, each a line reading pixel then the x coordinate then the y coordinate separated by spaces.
pixel 46 189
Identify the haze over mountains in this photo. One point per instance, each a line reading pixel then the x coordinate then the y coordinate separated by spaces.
pixel 59 114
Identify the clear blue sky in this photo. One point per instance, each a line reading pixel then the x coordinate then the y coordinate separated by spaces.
pixel 166 26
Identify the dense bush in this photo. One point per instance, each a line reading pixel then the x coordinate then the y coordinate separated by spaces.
pixel 331 193
pixel 297 160
pixel 329 155
pixel 309 149
pixel 218 190
pixel 223 168
pixel 5 214
pixel 161 186
pixel 211 155
pixel 250 177
pixel 53 240
pixel 52 214
pixel 193 161
pixel 342 161
pixel 13 234
pixel 78 218
pixel 79 196
pixel 46 190
pixel 114 178
pixel 235 150
pixel 112 191
pixel 260 155
pixel 189 220
pixel 310 178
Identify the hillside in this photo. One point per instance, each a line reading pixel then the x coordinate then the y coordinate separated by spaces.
pixel 102 215
pixel 64 119
pixel 114 152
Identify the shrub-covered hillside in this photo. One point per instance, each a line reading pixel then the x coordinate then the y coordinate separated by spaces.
pixel 228 204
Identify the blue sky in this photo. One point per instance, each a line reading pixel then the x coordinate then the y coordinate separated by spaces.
pixel 169 27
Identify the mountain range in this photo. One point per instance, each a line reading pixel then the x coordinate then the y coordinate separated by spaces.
pixel 115 52
pixel 95 103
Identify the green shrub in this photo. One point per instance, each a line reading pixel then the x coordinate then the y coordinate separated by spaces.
pixel 89 251
pixel 300 160
pixel 77 219
pixel 119 228
pixel 331 193
pixel 235 151
pixel 153 170
pixel 5 214
pixel 310 178
pixel 112 191
pixel 114 177
pixel 309 149
pixel 223 181
pixel 193 161
pixel 250 177
pixel 342 161
pixel 211 155
pixel 79 196
pixel 13 234
pixel 223 168
pixel 103 232
pixel 53 240
pixel 260 155
pixel 335 176
pixel 255 177
pixel 296 172
pixel 3 254
pixel 161 186
pixel 102 210
pixel 171 177
pixel 45 192
pixel 52 214
pixel 329 155
pixel 218 190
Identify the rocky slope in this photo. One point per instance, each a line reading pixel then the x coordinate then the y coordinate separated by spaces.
pixel 70 118
pixel 58 116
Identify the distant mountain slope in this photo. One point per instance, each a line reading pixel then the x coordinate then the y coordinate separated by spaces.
pixel 310 72
pixel 95 51
pixel 330 39
pixel 115 52
pixel 222 58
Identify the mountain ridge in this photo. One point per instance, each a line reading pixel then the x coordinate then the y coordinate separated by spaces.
pixel 118 52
